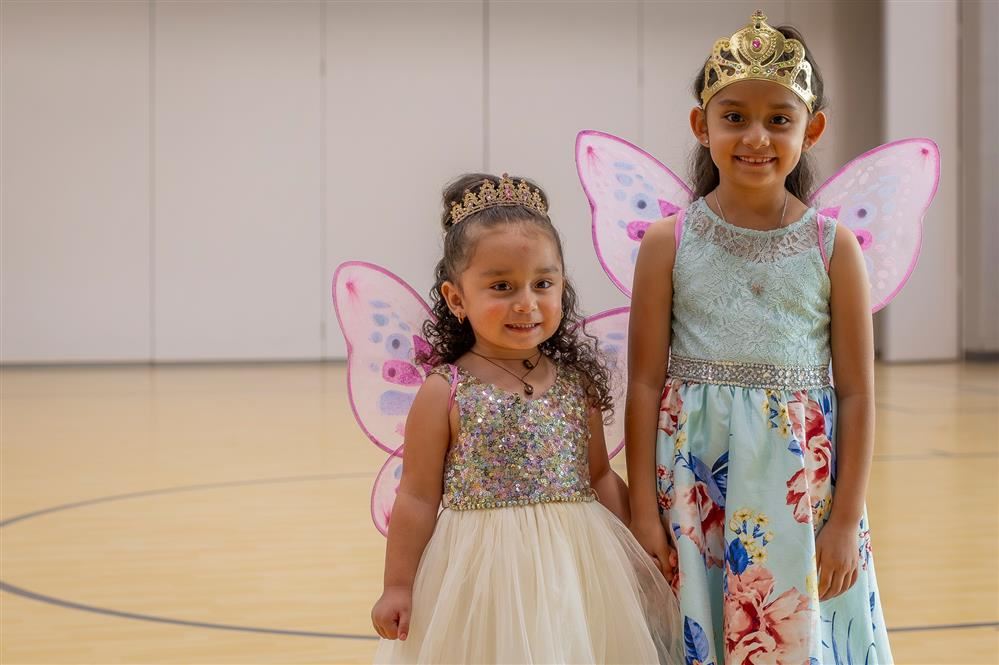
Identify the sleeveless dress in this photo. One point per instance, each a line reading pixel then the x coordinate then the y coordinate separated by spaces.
pixel 746 449
pixel 524 565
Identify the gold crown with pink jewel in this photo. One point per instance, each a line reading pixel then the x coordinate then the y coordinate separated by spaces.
pixel 506 193
pixel 758 52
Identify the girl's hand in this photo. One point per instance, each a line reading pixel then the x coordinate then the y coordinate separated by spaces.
pixel 651 535
pixel 390 615
pixel 837 558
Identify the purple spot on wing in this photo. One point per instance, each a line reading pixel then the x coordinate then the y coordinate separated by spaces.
pixel 380 319
pixel 395 403
pixel 667 208
pixel 397 346
pixel 636 230
pixel 641 204
pixel 376 337
pixel 401 372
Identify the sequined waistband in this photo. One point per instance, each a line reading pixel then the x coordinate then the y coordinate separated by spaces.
pixel 482 503
pixel 749 375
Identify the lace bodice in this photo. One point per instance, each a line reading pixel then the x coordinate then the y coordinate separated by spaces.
pixel 747 296
pixel 511 450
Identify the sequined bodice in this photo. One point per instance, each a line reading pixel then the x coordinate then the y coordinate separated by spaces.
pixel 514 451
pixel 746 296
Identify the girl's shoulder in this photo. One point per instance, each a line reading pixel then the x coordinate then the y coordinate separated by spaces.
pixel 664 230
pixel 441 380
pixel 657 252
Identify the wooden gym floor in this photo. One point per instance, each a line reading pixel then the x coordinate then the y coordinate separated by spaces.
pixel 219 514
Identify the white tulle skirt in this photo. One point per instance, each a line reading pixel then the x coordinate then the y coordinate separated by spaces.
pixel 547 583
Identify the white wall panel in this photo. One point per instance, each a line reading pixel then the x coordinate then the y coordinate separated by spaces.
pixel 75 207
pixel 922 322
pixel 237 223
pixel 553 71
pixel 180 179
pixel 404 115
pixel 980 164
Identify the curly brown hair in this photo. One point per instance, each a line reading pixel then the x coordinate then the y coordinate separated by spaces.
pixel 570 345
pixel 704 173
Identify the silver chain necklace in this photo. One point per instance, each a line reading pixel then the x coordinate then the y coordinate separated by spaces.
pixel 755 286
pixel 724 217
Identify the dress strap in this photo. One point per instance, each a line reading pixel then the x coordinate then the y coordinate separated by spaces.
pixel 454 386
pixel 678 227
pixel 449 373
pixel 821 221
pixel 825 226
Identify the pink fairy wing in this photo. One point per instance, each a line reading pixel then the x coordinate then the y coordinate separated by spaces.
pixel 385 490
pixel 611 330
pixel 628 189
pixel 882 197
pixel 382 320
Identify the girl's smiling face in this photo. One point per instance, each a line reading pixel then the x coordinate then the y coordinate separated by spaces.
pixel 756 132
pixel 510 290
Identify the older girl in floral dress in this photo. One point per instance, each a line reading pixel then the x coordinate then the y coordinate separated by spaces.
pixel 760 465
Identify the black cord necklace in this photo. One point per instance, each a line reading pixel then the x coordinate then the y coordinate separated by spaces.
pixel 527 362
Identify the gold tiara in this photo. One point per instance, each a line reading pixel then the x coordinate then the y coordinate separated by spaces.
pixel 758 52
pixel 505 194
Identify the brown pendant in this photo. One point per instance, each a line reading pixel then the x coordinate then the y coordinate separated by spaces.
pixel 528 364
pixel 528 388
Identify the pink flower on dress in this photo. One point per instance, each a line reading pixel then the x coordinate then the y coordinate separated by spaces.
pixel 762 632
pixel 664 487
pixel 703 521
pixel 670 407
pixel 809 490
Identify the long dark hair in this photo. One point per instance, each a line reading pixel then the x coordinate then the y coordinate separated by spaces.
pixel 570 346
pixel 704 173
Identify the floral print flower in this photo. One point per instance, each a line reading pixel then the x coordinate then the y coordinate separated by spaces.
pixel 664 487
pixel 809 489
pixel 671 408
pixel 761 630
pixel 701 520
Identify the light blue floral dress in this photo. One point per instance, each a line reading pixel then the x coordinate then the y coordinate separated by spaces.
pixel 746 450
